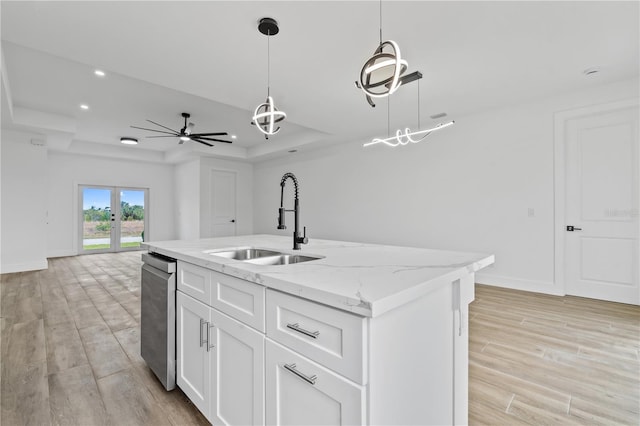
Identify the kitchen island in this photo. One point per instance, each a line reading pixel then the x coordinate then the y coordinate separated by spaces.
pixel 363 334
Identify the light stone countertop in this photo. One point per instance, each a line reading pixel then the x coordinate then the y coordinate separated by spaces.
pixel 366 279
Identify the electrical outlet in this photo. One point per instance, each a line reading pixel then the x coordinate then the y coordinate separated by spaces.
pixel 531 212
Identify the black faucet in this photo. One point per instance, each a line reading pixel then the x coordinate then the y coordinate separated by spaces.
pixel 297 239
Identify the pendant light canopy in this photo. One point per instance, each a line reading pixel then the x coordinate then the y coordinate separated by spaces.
pixel 266 116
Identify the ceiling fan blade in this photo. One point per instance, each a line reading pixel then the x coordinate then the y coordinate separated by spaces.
pixel 201 141
pixel 154 130
pixel 157 124
pixel 211 139
pixel 210 134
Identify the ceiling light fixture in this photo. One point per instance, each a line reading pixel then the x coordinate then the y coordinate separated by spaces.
pixel 84 106
pixel 381 75
pixel 129 141
pixel 99 73
pixel 266 116
pixel 407 136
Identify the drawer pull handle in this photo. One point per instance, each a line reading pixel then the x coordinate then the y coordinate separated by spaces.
pixel 296 327
pixel 202 322
pixel 209 345
pixel 308 379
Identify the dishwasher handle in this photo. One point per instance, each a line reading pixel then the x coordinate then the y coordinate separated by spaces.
pixel 163 263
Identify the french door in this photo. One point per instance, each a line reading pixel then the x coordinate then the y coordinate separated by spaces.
pixel 112 218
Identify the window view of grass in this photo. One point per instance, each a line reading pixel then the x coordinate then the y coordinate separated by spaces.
pixel 97 218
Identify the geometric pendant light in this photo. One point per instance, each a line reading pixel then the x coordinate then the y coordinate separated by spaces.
pixel 381 74
pixel 407 136
pixel 266 116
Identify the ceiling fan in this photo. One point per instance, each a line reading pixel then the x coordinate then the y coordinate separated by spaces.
pixel 186 133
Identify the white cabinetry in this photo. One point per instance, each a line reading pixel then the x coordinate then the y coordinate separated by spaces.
pixel 317 364
pixel 237 373
pixel 193 356
pixel 302 392
pixel 333 338
pixel 220 360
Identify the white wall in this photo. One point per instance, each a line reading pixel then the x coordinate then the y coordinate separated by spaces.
pixel 187 183
pixel 23 176
pixel 66 171
pixel 469 188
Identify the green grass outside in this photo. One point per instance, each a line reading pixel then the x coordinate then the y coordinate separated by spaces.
pixel 105 246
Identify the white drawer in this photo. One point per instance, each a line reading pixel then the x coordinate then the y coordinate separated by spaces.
pixel 300 391
pixel 329 336
pixel 195 281
pixel 240 299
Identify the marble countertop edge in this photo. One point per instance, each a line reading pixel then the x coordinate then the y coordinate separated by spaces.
pixel 355 277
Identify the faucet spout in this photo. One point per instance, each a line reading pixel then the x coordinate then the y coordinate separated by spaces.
pixel 297 239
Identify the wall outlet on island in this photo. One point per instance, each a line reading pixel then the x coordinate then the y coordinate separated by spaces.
pixel 531 212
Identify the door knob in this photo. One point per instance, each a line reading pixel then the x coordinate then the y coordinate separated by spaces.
pixel 232 221
pixel 572 228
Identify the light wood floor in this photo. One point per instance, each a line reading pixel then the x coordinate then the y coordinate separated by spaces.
pixel 548 360
pixel 71 345
pixel 70 353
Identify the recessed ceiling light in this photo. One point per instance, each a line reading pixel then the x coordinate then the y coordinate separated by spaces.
pixel 84 106
pixel 129 141
pixel 99 73
pixel 234 137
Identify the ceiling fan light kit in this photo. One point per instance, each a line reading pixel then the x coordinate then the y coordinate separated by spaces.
pixel 266 116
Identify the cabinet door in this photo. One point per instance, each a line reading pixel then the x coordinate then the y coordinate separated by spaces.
pixel 194 371
pixel 301 392
pixel 237 393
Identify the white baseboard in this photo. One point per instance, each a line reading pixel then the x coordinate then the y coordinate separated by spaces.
pixel 62 253
pixel 23 267
pixel 547 287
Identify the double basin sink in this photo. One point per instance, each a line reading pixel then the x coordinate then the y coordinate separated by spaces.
pixel 260 256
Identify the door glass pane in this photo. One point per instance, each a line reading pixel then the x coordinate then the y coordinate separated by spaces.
pixel 96 225
pixel 131 218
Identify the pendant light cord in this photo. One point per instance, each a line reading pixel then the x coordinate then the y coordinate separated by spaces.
pixel 388 115
pixel 268 64
pixel 380 21
pixel 418 104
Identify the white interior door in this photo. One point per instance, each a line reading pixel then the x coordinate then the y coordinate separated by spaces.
pixel 602 194
pixel 223 203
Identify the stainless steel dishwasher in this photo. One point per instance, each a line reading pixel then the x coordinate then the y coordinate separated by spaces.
pixel 158 317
